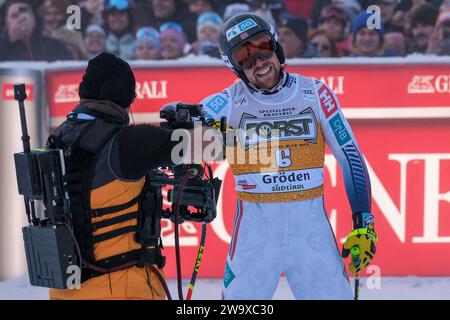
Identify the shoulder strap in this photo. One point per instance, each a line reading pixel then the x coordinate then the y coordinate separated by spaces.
pixel 97 135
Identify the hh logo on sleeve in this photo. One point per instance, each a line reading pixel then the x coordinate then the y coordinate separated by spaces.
pixel 327 101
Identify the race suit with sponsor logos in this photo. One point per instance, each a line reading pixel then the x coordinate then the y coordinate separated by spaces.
pixel 280 222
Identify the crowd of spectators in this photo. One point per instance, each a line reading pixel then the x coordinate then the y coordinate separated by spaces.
pixel 170 29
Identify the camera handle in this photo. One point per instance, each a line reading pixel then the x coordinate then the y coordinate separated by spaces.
pixel 20 95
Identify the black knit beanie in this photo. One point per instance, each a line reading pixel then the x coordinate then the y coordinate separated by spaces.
pixel 298 25
pixel 108 77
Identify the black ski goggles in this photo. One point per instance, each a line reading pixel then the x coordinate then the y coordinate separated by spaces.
pixel 244 57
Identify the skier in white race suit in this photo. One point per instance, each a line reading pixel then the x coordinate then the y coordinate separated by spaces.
pixel 280 223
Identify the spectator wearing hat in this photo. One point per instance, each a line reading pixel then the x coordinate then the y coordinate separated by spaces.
pixel 173 41
pixel 154 13
pixel 423 20
pixel 94 41
pixel 293 37
pixel 333 19
pixel 440 40
pixel 21 40
pixel 368 42
pixel 147 46
pixel 324 43
pixel 119 28
pixel 208 31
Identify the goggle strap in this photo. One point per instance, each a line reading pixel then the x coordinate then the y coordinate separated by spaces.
pixel 273 33
pixel 227 61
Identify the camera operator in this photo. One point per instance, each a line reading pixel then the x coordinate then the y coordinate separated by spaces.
pixel 111 159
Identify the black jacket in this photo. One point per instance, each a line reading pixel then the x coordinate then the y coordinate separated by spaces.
pixel 42 48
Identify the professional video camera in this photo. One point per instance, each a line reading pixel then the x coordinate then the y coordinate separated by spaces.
pixel 195 190
pixel 194 185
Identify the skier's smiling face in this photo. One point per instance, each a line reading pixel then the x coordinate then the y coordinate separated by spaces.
pixel 265 74
pixel 259 62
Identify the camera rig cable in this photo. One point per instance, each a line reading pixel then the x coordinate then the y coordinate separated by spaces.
pixel 189 174
pixel 201 247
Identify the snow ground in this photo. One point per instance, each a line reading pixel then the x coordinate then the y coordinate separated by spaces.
pixel 392 288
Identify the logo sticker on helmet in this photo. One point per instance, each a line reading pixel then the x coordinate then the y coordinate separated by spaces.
pixel 240 28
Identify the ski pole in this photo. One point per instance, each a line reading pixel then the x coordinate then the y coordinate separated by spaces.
pixel 354 251
pixel 197 262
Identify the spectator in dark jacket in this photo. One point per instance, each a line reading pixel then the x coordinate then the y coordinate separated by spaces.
pixel 293 32
pixel 20 39
pixel 423 20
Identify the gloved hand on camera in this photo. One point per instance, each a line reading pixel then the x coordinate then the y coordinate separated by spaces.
pixel 169 113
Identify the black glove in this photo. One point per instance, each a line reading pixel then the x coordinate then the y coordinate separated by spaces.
pixel 169 113
pixel 180 125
